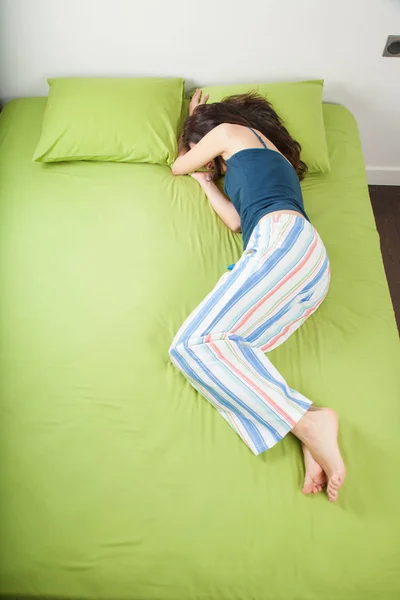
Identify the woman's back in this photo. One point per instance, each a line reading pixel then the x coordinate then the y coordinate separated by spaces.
pixel 259 181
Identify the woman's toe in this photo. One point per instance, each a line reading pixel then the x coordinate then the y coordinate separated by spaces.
pixel 332 494
pixel 308 486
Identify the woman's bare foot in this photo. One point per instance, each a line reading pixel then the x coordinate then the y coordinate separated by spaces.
pixel 315 478
pixel 318 430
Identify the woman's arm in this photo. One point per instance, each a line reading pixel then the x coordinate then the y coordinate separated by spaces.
pixel 211 145
pixel 220 203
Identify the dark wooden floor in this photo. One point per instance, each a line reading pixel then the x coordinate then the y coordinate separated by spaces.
pixel 385 201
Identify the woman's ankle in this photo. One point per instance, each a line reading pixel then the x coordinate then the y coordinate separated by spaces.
pixel 299 430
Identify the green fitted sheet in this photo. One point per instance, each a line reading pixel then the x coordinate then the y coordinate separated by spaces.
pixel 117 479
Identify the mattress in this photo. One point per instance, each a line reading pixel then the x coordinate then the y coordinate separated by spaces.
pixel 117 479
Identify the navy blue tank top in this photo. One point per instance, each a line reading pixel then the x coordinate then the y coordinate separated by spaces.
pixel 259 181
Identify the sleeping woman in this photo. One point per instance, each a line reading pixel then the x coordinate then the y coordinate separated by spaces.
pixel 280 280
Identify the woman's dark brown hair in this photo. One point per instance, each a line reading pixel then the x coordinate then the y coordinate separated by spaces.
pixel 250 110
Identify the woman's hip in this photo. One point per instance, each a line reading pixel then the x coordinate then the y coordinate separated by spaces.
pixel 292 278
pixel 284 271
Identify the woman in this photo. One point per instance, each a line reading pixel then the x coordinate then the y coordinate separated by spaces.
pixel 280 280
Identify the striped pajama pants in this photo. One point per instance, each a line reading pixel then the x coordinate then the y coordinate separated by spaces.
pixel 280 280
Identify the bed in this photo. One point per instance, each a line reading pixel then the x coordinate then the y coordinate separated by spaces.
pixel 117 480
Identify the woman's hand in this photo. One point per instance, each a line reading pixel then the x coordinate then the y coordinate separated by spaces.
pixel 196 100
pixel 203 178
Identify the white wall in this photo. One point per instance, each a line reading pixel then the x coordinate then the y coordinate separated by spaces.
pixel 214 41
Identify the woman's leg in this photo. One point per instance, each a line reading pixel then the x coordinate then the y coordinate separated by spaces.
pixel 218 348
pixel 280 280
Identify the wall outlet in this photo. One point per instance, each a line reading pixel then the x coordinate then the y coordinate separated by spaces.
pixel 392 46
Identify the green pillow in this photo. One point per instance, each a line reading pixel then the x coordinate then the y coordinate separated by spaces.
pixel 121 120
pixel 299 104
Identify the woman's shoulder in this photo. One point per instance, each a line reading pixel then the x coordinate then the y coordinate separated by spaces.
pixel 229 129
